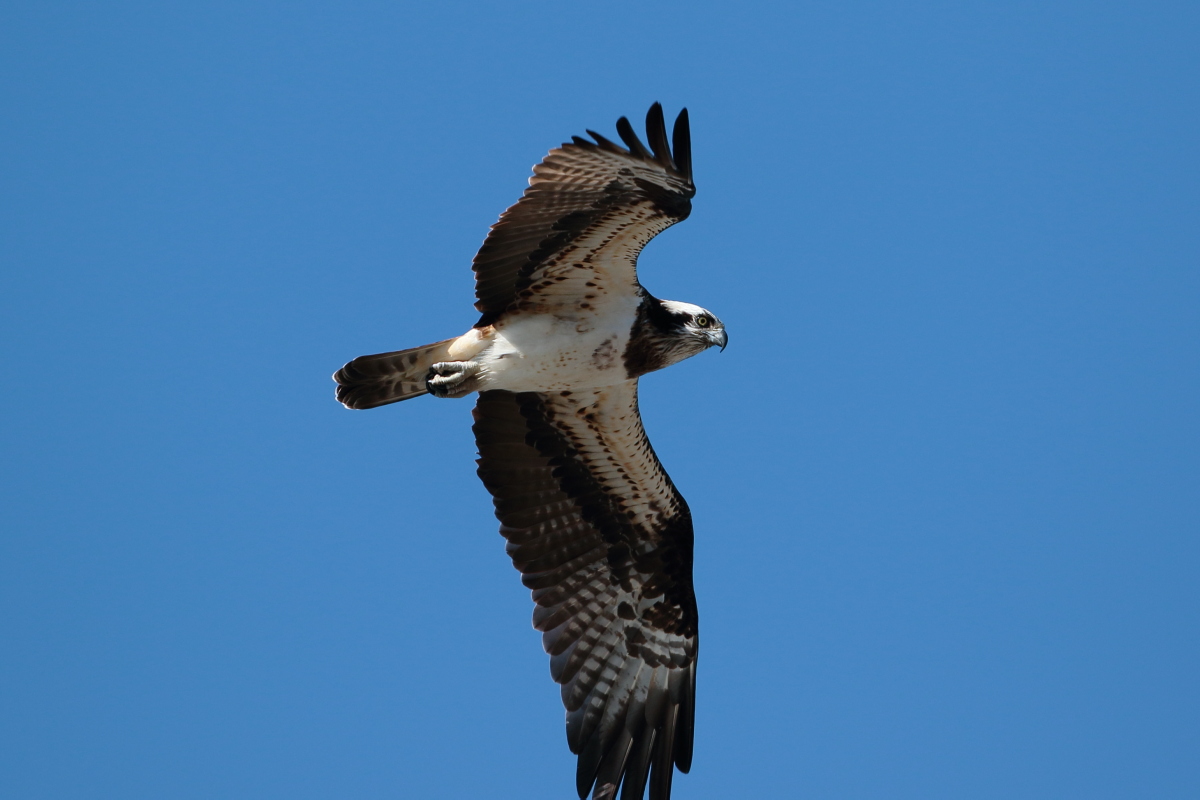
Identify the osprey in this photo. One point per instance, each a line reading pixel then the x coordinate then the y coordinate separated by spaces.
pixel 596 527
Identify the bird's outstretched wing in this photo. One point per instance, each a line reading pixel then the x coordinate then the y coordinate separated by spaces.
pixel 590 208
pixel 604 540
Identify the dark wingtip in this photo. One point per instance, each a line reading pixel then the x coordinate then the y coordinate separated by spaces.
pixel 588 765
pixel 674 155
pixel 629 136
pixel 637 771
pixel 656 135
pixel 662 767
pixel 681 138
pixel 685 732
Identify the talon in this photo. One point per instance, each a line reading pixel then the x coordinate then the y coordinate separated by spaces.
pixel 451 378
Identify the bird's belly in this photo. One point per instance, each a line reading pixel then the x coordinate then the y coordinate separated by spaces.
pixel 548 352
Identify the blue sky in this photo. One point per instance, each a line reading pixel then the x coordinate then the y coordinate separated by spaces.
pixel 944 478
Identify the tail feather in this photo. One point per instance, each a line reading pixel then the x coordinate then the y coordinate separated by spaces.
pixel 372 381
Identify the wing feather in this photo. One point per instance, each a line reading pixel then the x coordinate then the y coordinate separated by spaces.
pixel 590 208
pixel 604 540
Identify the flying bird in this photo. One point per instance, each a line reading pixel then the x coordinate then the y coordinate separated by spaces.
pixel 593 522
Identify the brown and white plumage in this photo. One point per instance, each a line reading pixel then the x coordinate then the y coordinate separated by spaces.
pixel 604 540
pixel 590 208
pixel 594 524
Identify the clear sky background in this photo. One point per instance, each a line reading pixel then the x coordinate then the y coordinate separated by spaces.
pixel 946 478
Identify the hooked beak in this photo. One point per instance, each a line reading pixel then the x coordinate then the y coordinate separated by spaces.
pixel 722 338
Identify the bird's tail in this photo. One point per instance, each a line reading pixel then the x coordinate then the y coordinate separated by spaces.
pixel 371 381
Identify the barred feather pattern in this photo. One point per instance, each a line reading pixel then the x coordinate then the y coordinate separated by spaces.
pixel 573 238
pixel 604 541
pixel 376 380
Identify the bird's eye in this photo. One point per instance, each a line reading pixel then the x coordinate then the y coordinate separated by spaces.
pixel 703 321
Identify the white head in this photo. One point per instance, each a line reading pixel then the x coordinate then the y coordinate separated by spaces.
pixel 696 323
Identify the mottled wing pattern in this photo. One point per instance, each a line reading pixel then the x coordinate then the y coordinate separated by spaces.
pixel 604 541
pixel 590 208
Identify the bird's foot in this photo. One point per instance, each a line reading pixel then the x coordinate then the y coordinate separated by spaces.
pixel 452 378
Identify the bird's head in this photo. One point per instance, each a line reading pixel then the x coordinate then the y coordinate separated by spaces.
pixel 695 329
pixel 667 332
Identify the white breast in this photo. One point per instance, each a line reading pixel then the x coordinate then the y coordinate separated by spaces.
pixel 558 352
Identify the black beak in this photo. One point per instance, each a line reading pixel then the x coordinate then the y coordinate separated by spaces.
pixel 723 340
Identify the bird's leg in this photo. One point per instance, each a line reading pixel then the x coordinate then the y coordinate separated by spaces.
pixel 452 378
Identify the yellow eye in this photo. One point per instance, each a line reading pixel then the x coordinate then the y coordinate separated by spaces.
pixel 703 321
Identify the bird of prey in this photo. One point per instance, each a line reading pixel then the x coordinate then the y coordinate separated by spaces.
pixel 597 529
